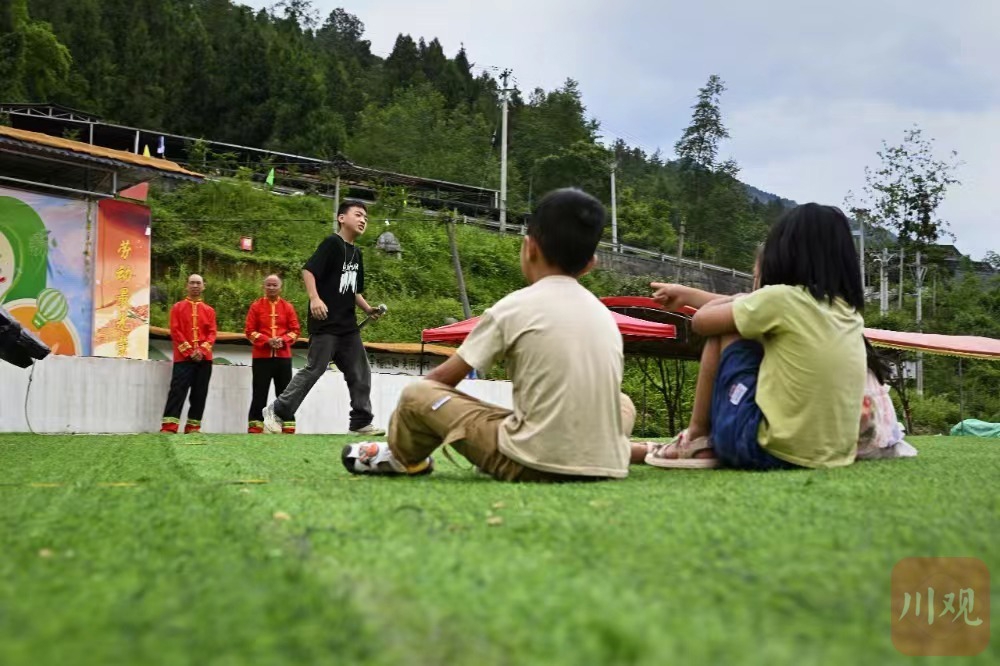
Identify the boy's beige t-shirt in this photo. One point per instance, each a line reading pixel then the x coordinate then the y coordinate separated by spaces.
pixel 812 377
pixel 563 354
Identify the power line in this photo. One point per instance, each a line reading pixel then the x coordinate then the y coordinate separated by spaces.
pixel 629 138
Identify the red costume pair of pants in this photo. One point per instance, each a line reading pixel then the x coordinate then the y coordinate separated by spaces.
pixel 266 370
pixel 192 376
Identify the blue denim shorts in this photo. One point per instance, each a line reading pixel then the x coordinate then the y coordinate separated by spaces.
pixel 735 415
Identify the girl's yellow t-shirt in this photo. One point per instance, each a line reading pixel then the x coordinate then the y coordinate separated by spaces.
pixel 812 378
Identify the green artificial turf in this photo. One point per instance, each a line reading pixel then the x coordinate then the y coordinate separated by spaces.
pixel 193 562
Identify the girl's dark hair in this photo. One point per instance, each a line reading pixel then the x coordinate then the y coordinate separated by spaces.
pixel 875 362
pixel 811 246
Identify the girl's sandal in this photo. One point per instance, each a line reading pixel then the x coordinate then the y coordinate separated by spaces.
pixel 682 453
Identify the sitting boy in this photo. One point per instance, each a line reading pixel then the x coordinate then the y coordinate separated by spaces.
pixel 563 354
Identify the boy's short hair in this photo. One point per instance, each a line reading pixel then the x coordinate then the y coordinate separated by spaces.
pixel 567 225
pixel 348 204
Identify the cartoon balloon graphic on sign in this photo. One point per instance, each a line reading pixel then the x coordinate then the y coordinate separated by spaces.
pixel 51 307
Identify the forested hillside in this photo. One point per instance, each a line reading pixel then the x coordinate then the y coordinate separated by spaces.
pixel 291 80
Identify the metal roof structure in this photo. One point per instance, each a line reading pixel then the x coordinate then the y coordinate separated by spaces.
pixel 36 160
pixel 294 172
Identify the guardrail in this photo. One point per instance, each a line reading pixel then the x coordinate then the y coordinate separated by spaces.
pixel 623 249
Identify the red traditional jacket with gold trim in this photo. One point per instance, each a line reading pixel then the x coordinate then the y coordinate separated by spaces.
pixel 268 319
pixel 192 326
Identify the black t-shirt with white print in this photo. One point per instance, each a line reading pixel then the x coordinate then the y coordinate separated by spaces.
pixel 340 274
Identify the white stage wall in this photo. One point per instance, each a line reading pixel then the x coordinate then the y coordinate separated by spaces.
pixel 71 394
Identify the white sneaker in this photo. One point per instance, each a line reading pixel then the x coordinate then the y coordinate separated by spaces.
pixel 376 458
pixel 272 424
pixel 369 430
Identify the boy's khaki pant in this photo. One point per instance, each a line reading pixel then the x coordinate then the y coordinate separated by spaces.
pixel 431 414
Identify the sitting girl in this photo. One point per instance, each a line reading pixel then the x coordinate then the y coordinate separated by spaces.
pixel 881 434
pixel 782 374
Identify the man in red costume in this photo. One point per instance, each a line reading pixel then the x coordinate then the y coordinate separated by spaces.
pixel 192 329
pixel 272 327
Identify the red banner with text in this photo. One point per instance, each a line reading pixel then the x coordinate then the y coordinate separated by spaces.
pixel 121 280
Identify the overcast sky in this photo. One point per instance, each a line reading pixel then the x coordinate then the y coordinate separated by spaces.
pixel 813 87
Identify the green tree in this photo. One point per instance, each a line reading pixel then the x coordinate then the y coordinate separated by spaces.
pixel 699 145
pixel 403 67
pixel 457 83
pixel 581 164
pixel 34 64
pixel 416 133
pixel 348 64
pixel 904 192
pixel 907 188
pixel 433 61
pixel 993 259
pixel 715 205
pixel 645 223
pixel 549 123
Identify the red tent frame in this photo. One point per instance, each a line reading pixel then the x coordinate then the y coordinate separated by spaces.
pixel 968 346
pixel 642 302
pixel 632 330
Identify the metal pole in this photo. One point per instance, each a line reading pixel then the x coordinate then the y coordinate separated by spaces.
pixel 884 272
pixel 503 154
pixel 862 257
pixel 919 272
pixel 902 274
pixel 60 188
pixel 336 203
pixel 644 380
pixel 614 211
pixel 680 253
pixel 961 399
pixel 457 265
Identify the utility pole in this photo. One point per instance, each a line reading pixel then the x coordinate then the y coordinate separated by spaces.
pixel 614 211
pixel 934 295
pixel 861 220
pixel 456 262
pixel 503 152
pixel 680 252
pixel 902 271
pixel 883 282
pixel 919 273
pixel 336 204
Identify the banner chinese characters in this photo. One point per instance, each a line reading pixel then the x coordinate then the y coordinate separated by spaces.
pixel 121 280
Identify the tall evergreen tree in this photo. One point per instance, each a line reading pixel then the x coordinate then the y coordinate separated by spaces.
pixel 715 204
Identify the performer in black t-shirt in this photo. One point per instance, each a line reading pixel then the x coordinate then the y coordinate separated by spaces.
pixel 335 279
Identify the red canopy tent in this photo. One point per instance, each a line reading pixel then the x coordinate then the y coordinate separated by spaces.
pixel 969 346
pixel 686 345
pixel 453 333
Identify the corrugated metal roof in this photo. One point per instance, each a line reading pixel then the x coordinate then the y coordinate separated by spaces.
pixel 120 158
